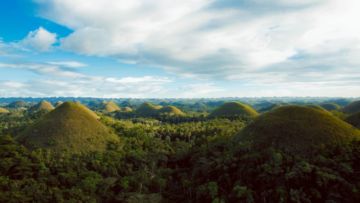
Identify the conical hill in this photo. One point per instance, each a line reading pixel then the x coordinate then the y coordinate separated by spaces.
pixel 297 129
pixel 71 127
pixel 234 109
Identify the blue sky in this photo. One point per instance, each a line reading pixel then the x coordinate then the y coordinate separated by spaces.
pixel 188 48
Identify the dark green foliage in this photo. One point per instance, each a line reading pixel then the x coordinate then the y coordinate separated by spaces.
pixel 188 158
pixel 354 120
pixel 352 108
pixel 330 106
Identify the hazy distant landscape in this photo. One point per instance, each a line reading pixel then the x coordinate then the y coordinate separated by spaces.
pixel 187 101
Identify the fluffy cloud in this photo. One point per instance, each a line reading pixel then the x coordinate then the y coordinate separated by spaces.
pixel 39 39
pixel 214 38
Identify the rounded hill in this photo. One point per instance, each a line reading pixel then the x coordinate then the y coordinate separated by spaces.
pixel 352 108
pixel 234 109
pixel 43 106
pixel 110 107
pixel 298 130
pixel 354 120
pixel 330 106
pixel 70 127
pixel 171 110
pixel 147 109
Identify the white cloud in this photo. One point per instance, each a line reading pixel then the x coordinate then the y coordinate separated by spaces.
pixel 55 81
pixel 68 64
pixel 209 38
pixel 39 39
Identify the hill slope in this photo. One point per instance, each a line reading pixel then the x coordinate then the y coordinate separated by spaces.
pixel 44 106
pixel 3 110
pixel 70 127
pixel 233 109
pixel 354 120
pixel 330 106
pixel 352 108
pixel 110 107
pixel 147 109
pixel 297 130
pixel 171 110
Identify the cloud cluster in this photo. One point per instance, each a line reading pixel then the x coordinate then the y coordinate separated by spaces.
pixel 222 39
pixel 39 39
pixel 57 80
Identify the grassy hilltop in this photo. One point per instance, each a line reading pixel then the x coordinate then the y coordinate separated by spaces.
pixel 70 127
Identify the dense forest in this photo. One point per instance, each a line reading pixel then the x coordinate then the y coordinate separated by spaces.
pixel 281 150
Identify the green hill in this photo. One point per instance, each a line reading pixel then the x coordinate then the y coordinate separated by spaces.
pixel 354 120
pixel 17 104
pixel 352 108
pixel 110 107
pixel 4 111
pixel 297 130
pixel 171 111
pixel 43 106
pixel 147 109
pixel 234 109
pixel 269 108
pixel 71 127
pixel 330 106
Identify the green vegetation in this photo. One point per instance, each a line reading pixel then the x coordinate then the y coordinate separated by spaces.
pixel 330 106
pixel 354 120
pixel 43 106
pixel 352 108
pixel 70 127
pixel 3 110
pixel 233 109
pixel 288 154
pixel 17 104
pixel 297 130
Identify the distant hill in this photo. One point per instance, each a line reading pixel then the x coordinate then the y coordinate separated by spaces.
pixel 43 106
pixel 354 120
pixel 70 127
pixel 297 130
pixel 147 109
pixel 171 110
pixel 17 104
pixel 352 108
pixel 269 108
pixel 110 107
pixel 234 109
pixel 126 109
pixel 58 103
pixel 330 106
pixel 3 110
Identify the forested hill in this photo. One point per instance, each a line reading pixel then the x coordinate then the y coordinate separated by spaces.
pixel 81 153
